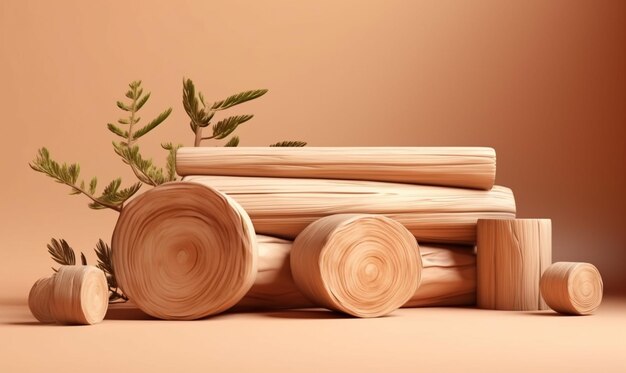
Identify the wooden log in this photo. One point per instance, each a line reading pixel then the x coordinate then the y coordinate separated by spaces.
pixel 74 295
pixel 572 288
pixel 512 255
pixel 362 265
pixel 39 299
pixel 464 167
pixel 184 251
pixel 283 207
pixel 448 278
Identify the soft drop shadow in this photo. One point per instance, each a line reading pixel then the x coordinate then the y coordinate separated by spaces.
pixel 312 314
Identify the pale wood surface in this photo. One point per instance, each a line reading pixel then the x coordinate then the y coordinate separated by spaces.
pixel 74 295
pixel 362 265
pixel 448 278
pixel 184 251
pixel 466 167
pixel 512 255
pixel 572 288
pixel 283 207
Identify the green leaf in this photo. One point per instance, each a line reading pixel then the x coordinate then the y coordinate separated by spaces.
pixel 225 127
pixel 142 101
pixel 123 106
pixel 234 141
pixel 61 252
pixel 289 144
pixel 92 185
pixel 170 166
pixel 237 99
pixel 153 124
pixel 116 130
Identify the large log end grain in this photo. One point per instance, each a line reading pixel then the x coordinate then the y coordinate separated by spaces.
pixel 74 295
pixel 512 254
pixel 463 167
pixel 363 265
pixel 572 288
pixel 184 251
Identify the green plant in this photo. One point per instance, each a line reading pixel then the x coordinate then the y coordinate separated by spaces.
pixel 62 253
pixel 113 196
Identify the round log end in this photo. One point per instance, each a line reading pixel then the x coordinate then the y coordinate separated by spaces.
pixel 80 295
pixel 572 288
pixel 184 251
pixel 362 265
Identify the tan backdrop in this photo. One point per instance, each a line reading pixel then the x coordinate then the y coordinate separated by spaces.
pixel 544 82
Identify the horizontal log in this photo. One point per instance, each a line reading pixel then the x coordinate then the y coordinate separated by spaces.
pixel 283 207
pixel 448 278
pixel 465 167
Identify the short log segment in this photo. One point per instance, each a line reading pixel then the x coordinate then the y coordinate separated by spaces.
pixel 512 255
pixel 448 278
pixel 572 288
pixel 462 167
pixel 362 265
pixel 74 295
pixel 184 251
pixel 283 207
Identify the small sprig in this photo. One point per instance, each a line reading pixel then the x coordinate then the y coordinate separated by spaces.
pixel 201 114
pixel 293 144
pixel 62 253
pixel 144 169
pixel 112 196
pixel 105 263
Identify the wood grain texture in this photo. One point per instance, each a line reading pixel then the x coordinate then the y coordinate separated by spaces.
pixel 512 255
pixel 464 167
pixel 74 295
pixel 359 264
pixel 184 251
pixel 283 207
pixel 572 288
pixel 448 278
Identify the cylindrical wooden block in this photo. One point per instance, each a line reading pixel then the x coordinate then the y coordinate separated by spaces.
pixel 79 295
pixel 462 167
pixel 448 278
pixel 39 299
pixel 184 251
pixel 512 254
pixel 363 265
pixel 73 295
pixel 572 288
pixel 283 207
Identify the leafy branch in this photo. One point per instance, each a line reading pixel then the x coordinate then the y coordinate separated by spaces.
pixel 144 169
pixel 201 114
pixel 112 196
pixel 62 253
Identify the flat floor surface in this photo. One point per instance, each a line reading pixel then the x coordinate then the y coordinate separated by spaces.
pixel 410 340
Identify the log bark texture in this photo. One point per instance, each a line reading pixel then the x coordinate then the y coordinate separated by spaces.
pixel 283 207
pixel 464 167
pixel 448 278
pixel 512 255
pixel 572 288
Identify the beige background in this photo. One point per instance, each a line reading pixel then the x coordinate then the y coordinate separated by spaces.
pixel 541 81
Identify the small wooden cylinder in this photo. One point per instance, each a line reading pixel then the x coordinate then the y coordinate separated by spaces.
pixel 79 295
pixel 363 265
pixel 512 255
pixel 73 295
pixel 572 288
pixel 39 299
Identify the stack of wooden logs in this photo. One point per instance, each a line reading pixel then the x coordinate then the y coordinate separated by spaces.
pixel 357 230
